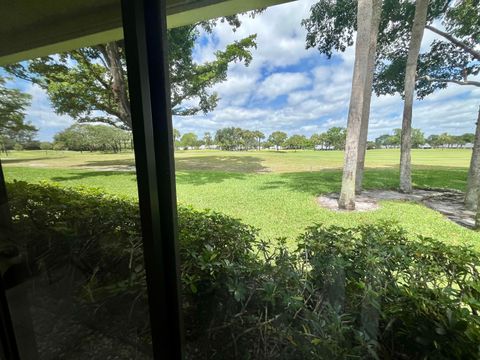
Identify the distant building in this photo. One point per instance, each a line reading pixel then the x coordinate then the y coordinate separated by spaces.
pixel 208 147
pixel 324 147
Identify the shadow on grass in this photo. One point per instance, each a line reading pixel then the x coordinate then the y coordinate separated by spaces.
pixel 313 183
pixel 440 177
pixel 6 161
pixel 326 181
pixel 81 175
pixel 198 178
pixel 241 164
pixel 109 163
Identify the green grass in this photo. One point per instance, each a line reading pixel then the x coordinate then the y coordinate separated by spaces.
pixel 282 203
pixel 251 161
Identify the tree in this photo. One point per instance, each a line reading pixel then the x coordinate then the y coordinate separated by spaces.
pixel 451 60
pixel 46 145
pixel 433 140
pixel 418 138
pixel 317 139
pixel 332 24
pixel 189 140
pixel 248 139
pixel 336 137
pixel 419 22
pixel 468 138
pixel 296 142
pixel 259 136
pixel 87 137
pixel 13 128
pixel 365 13
pixel 445 139
pixel 372 50
pixel 90 84
pixel 176 135
pixel 472 195
pixel 277 138
pixel 229 138
pixel 59 146
pixel 207 139
pixel 382 141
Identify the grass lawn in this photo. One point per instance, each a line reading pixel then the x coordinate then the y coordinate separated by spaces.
pixel 273 191
pixel 228 161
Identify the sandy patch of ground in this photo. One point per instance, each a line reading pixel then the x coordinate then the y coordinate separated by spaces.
pixel 447 202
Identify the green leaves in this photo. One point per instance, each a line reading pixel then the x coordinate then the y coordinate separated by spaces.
pixel 13 104
pixel 363 292
pixel 90 84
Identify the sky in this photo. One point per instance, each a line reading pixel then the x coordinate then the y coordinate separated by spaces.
pixel 289 88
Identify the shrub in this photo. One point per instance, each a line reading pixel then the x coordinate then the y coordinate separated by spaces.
pixel 365 292
pixel 415 299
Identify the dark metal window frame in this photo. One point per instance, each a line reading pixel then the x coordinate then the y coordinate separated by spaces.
pixel 144 24
pixel 145 33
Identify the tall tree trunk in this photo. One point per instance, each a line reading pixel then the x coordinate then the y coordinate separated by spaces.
pixel 421 9
pixel 360 70
pixel 372 50
pixel 119 86
pixel 473 183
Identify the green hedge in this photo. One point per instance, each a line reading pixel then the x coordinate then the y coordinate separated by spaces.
pixel 366 292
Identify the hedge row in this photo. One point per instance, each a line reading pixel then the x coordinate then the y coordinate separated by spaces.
pixel 365 292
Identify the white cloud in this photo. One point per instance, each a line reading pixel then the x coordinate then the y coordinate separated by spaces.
pixel 317 90
pixel 282 84
pixel 40 112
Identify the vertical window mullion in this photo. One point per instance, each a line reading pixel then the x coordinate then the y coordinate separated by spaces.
pixel 144 23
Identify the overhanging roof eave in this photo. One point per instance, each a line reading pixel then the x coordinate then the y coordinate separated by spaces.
pixel 24 44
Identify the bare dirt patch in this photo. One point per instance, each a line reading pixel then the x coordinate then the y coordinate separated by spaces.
pixel 447 202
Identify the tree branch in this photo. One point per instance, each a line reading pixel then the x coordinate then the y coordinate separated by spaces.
pixel 464 82
pixel 455 41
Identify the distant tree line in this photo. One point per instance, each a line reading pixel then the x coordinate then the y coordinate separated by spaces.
pixel 237 139
pixel 419 140
pixel 86 137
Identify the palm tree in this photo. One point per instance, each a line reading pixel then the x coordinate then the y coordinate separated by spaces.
pixel 365 28
pixel 419 21
pixel 473 183
pixel 372 50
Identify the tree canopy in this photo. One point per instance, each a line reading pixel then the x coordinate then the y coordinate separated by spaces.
pixel 87 137
pixel 90 84
pixel 332 24
pixel 13 127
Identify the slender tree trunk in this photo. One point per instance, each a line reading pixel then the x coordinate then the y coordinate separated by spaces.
pixel 372 50
pixel 473 183
pixel 360 70
pixel 477 216
pixel 421 9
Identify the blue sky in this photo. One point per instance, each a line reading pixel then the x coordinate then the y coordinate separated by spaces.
pixel 289 88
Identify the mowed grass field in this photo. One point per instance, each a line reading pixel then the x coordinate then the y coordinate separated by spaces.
pixel 273 191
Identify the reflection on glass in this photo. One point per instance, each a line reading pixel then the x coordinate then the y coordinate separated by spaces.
pixel 76 279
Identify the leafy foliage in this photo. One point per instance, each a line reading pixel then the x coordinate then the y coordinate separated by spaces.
pixel 86 137
pixel 13 127
pixel 387 141
pixel 331 27
pixel 277 138
pixel 90 84
pixel 364 292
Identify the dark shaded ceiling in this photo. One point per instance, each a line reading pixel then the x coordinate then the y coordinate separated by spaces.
pixel 32 28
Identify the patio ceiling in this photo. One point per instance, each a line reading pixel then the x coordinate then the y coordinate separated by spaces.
pixel 33 28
